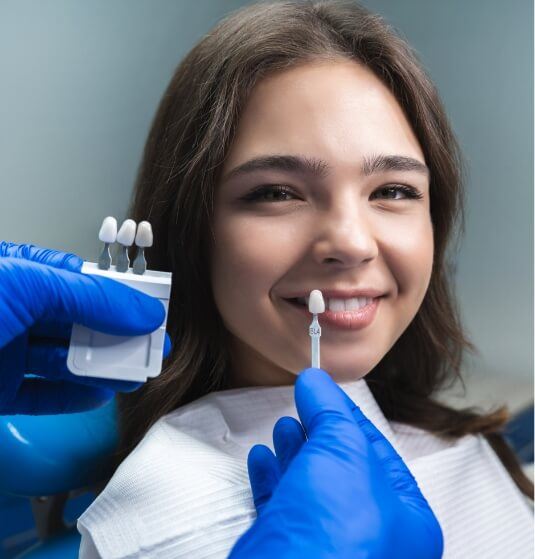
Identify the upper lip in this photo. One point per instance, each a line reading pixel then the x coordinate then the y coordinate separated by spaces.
pixel 340 293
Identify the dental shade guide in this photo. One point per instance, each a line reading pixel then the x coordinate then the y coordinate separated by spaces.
pixel 316 305
pixel 132 358
pixel 108 235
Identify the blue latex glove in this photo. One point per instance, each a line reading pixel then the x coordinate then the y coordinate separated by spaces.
pixel 42 293
pixel 343 493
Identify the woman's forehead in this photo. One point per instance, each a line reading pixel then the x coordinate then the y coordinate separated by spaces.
pixel 337 109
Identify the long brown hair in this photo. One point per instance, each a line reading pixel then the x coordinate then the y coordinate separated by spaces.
pixel 189 139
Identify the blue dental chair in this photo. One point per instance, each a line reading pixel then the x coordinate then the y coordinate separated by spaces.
pixel 54 466
pixel 51 469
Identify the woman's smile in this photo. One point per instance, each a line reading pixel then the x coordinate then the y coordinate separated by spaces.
pixel 343 314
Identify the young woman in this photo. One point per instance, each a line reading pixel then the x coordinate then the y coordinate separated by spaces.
pixel 300 146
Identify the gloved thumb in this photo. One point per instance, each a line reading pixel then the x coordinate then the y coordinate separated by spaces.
pixel 318 398
pixel 324 410
pixel 397 472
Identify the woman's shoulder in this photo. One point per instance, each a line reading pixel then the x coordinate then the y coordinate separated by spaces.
pixel 156 467
pixel 174 484
pixel 183 448
pixel 413 442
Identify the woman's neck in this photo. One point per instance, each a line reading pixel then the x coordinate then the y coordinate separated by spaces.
pixel 249 368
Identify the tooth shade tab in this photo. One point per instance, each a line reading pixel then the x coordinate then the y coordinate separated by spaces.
pixel 144 234
pixel 127 233
pixel 108 230
pixel 316 304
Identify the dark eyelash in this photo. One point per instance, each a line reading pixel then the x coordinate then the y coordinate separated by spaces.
pixel 266 188
pixel 410 193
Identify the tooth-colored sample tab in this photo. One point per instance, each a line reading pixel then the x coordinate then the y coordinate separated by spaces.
pixel 316 304
pixel 108 230
pixel 127 233
pixel 144 234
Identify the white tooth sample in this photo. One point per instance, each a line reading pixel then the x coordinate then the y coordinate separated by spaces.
pixel 127 233
pixel 108 230
pixel 107 234
pixel 144 234
pixel 336 305
pixel 125 238
pixel 352 304
pixel 316 304
pixel 143 241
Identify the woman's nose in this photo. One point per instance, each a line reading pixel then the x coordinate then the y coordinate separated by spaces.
pixel 344 236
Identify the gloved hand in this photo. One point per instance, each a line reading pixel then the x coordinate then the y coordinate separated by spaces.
pixel 42 292
pixel 343 493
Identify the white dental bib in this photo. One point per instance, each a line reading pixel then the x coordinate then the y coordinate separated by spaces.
pixel 184 491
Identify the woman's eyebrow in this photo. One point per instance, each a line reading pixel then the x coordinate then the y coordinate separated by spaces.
pixel 319 168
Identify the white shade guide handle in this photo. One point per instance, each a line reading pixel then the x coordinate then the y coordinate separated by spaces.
pixel 108 230
pixel 127 233
pixel 315 361
pixel 316 304
pixel 144 234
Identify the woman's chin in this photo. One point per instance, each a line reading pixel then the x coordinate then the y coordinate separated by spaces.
pixel 344 372
pixel 348 376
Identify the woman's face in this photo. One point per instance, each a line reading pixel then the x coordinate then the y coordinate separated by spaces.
pixel 340 224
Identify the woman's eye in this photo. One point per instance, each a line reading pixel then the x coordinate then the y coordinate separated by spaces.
pixel 407 191
pixel 281 193
pixel 270 193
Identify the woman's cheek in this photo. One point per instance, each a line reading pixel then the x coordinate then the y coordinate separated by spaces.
pixel 247 256
pixel 264 247
pixel 409 258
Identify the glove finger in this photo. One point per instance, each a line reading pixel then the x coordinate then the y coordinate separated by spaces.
pixel 42 397
pixel 47 256
pixel 324 411
pixel 288 438
pixel 49 360
pixel 35 292
pixel 264 474
pixel 102 304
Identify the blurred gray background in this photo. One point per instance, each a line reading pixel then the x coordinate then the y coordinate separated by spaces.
pixel 80 82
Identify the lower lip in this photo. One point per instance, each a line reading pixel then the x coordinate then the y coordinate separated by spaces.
pixel 344 320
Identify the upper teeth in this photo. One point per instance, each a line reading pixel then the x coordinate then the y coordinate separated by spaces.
pixel 334 304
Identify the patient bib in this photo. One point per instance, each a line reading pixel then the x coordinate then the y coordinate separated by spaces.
pixel 184 491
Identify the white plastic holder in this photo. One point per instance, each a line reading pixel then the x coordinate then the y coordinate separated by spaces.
pixel 133 358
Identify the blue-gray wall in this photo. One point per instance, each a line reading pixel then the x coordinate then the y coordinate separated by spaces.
pixel 79 85
pixel 480 55
pixel 80 81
